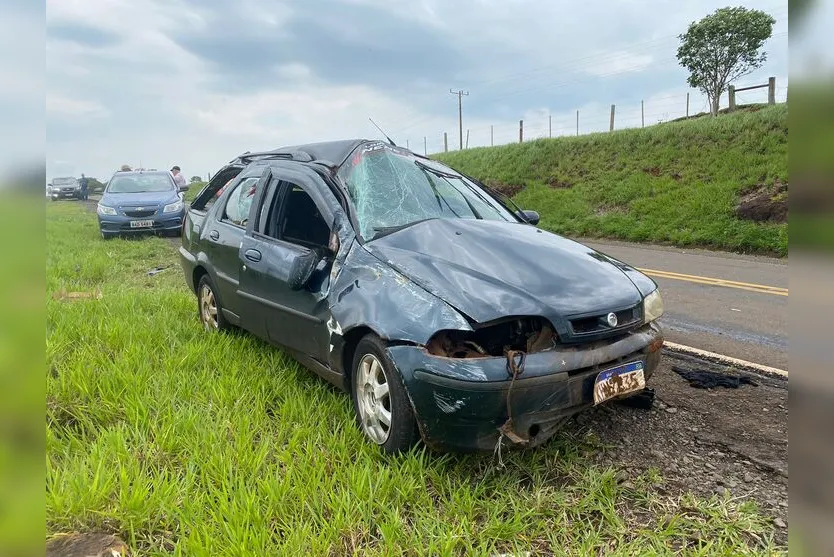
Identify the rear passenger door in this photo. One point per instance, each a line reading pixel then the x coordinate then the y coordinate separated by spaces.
pixel 223 233
pixel 292 222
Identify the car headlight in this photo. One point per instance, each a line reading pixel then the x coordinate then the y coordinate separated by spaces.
pixel 652 306
pixel 105 210
pixel 173 207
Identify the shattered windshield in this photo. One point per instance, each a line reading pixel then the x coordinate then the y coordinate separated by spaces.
pixel 392 189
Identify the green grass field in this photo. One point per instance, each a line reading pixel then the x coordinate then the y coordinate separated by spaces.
pixel 672 183
pixel 186 443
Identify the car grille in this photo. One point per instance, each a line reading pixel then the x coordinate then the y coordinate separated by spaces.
pixel 595 324
pixel 137 213
pixel 67 190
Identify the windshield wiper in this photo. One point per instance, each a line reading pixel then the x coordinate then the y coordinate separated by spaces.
pixel 446 176
pixel 386 230
pixel 436 171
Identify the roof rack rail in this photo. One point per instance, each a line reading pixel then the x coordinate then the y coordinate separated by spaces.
pixel 299 156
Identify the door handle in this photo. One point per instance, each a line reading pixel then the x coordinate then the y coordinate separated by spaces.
pixel 214 235
pixel 252 255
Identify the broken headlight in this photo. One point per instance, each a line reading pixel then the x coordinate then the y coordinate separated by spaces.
pixel 652 306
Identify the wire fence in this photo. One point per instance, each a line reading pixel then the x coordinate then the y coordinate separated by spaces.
pixel 591 118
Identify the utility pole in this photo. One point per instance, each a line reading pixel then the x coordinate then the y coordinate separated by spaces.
pixel 642 115
pixel 425 147
pixel 467 139
pixel 687 105
pixel 491 136
pixel 549 125
pixel 460 93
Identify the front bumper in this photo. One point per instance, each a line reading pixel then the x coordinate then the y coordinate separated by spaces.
pixel 460 404
pixel 74 194
pixel 162 222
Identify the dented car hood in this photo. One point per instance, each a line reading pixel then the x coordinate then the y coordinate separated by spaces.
pixel 491 269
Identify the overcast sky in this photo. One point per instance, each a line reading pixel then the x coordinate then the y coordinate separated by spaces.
pixel 194 83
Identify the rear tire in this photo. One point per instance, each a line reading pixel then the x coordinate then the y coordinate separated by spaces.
pixel 379 396
pixel 209 309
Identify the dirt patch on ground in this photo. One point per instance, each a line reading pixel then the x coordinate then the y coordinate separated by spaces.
pixel 657 173
pixel 557 184
pixel 507 189
pixel 764 203
pixel 604 210
pixel 710 442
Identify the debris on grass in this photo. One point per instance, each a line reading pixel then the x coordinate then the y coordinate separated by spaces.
pixel 157 270
pixel 86 545
pixel 64 295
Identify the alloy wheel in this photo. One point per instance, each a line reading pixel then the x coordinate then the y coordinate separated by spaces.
pixel 208 308
pixel 373 399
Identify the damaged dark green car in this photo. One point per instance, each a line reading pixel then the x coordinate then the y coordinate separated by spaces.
pixel 434 301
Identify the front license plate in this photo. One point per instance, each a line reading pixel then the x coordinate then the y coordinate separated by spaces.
pixel 618 381
pixel 141 224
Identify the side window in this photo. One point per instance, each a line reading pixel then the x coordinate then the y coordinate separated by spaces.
pixel 298 220
pixel 240 200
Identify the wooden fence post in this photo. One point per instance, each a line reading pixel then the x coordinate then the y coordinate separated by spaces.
pixel 771 90
pixel 611 125
pixel 731 92
pixel 445 142
pixel 521 131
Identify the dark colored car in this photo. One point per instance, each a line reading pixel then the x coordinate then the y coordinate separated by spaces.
pixel 439 305
pixel 65 187
pixel 141 202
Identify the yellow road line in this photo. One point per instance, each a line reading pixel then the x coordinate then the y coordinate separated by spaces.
pixel 778 291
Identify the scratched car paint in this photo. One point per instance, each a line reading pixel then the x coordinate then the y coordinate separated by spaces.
pixel 435 302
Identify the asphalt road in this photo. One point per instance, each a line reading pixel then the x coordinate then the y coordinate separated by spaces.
pixel 742 314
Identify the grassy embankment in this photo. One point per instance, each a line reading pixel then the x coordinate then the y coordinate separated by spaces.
pixel 195 444
pixel 674 183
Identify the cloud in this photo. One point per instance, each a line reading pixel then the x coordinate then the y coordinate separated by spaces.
pixel 619 62
pixel 73 108
pixel 195 82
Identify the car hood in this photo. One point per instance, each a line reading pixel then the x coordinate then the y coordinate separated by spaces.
pixel 488 270
pixel 150 199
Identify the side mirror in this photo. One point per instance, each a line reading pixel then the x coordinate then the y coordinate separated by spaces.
pixel 302 269
pixel 530 216
pixel 184 188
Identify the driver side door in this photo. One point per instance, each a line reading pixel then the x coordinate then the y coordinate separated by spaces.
pixel 291 225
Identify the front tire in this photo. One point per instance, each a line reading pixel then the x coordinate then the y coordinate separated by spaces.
pixel 383 410
pixel 208 306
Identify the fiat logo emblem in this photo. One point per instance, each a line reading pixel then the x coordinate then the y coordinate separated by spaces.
pixel 612 319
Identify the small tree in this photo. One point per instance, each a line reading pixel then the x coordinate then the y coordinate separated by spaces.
pixel 722 47
pixel 195 179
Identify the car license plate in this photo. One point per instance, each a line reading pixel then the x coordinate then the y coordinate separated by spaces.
pixel 618 381
pixel 141 224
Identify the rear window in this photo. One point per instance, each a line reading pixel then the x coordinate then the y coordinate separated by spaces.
pixel 64 181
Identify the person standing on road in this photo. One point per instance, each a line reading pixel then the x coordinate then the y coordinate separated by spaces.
pixel 178 177
pixel 83 182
